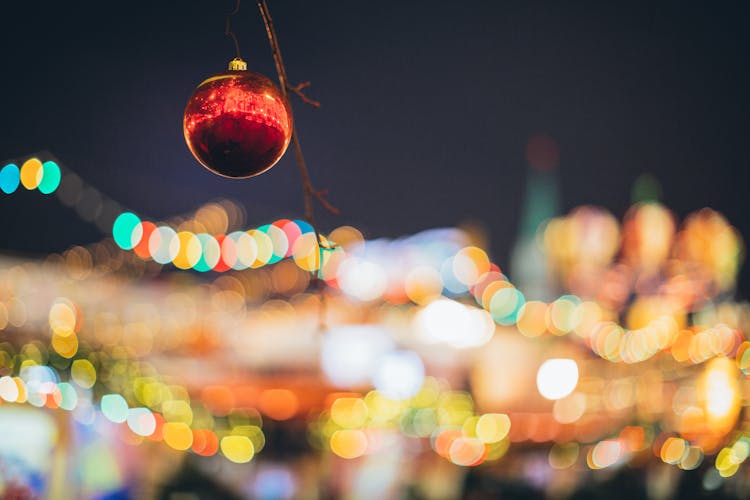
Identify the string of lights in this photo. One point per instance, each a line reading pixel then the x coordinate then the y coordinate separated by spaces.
pixel 468 271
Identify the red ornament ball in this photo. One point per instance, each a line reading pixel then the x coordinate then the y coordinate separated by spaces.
pixel 238 123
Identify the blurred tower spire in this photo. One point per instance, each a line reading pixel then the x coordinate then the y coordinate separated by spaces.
pixel 646 189
pixel 529 268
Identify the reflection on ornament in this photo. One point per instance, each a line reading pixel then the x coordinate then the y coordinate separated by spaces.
pixel 238 123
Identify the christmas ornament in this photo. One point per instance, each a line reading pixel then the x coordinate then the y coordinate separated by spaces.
pixel 238 123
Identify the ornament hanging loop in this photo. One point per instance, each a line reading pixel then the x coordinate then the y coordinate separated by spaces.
pixel 228 32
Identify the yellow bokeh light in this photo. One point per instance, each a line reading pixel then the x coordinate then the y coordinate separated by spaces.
pixel 492 427
pixel 349 412
pixel 727 463
pixel 238 449
pixel 349 443
pixel 306 252
pixel 83 373
pixel 177 435
pixel 252 432
pixel 65 346
pixel 673 450
pixel 62 318
pixel 31 173
pixel 189 252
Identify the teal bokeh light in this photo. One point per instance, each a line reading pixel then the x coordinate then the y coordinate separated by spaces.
pixel 10 177
pixel 122 230
pixel 50 177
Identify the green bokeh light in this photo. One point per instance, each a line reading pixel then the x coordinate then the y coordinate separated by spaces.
pixel 122 230
pixel 50 177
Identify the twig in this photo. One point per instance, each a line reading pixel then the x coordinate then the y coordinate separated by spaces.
pixel 298 90
pixel 309 190
pixel 320 196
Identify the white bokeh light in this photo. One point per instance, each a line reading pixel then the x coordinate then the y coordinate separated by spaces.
pixel 557 378
pixel 399 375
pixel 349 353
pixel 362 279
pixel 450 322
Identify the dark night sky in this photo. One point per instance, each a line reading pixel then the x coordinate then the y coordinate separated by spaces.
pixel 427 107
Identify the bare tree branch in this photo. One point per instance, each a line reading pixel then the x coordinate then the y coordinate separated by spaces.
pixel 309 190
pixel 298 90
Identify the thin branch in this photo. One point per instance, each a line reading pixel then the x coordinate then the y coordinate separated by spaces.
pixel 309 190
pixel 320 196
pixel 298 90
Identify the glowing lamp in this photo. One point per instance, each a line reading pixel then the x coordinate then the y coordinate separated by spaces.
pixel 237 123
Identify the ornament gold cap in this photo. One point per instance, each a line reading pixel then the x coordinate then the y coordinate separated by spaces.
pixel 237 64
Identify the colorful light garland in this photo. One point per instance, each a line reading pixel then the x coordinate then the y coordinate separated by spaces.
pixel 239 250
pixel 33 174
